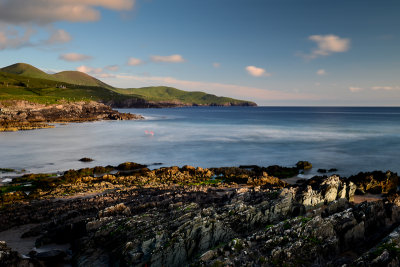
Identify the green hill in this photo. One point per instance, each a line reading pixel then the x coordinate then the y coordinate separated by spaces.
pixel 164 93
pixel 71 77
pixel 80 78
pixel 25 82
pixel 26 70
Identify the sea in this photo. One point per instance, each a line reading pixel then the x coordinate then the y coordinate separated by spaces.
pixel 349 139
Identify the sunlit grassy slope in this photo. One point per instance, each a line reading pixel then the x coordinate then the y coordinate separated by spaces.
pixel 25 82
pixel 164 93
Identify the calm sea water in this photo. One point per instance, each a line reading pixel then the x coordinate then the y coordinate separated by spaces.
pixel 349 139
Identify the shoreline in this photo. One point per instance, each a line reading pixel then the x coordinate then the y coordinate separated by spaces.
pixel 18 115
pixel 227 214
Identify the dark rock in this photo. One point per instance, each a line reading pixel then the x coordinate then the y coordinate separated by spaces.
pixel 129 166
pixel 321 170
pixel 376 182
pixel 55 255
pixel 10 258
pixel 86 160
pixel 303 165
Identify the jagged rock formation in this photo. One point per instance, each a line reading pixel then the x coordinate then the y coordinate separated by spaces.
pixel 22 115
pixel 192 216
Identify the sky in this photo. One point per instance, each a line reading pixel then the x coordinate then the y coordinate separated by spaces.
pixel 273 52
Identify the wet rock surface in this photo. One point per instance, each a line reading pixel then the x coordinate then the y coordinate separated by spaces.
pixel 192 216
pixel 22 115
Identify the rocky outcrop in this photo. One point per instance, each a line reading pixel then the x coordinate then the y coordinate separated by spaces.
pixel 376 182
pixel 12 258
pixel 202 217
pixel 22 115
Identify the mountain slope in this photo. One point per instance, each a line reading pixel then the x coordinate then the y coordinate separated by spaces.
pixel 71 77
pixel 164 93
pixel 25 82
pixel 79 78
pixel 26 70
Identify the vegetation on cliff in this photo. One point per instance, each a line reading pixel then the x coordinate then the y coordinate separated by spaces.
pixel 25 82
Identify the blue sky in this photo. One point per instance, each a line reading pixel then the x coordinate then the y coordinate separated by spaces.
pixel 281 52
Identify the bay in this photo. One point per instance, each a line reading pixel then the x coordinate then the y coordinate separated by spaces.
pixel 351 139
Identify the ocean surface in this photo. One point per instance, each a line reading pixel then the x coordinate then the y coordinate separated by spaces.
pixel 351 139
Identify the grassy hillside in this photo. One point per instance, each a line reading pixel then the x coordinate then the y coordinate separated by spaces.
pixel 26 70
pixel 13 86
pixel 25 82
pixel 163 93
pixel 70 77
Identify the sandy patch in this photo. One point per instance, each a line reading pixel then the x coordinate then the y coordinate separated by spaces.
pixel 366 197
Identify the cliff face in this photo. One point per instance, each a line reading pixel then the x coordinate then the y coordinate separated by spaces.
pixel 23 115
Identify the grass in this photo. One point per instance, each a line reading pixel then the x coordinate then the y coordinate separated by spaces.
pixel 392 248
pixel 71 77
pixel 163 93
pixel 25 82
pixel 14 87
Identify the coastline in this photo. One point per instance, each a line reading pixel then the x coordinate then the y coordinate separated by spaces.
pixel 230 215
pixel 18 115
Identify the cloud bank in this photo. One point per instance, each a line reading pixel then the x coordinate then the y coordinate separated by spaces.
pixel 355 89
pixel 385 88
pixel 49 11
pixel 134 61
pixel 19 17
pixel 74 57
pixel 168 59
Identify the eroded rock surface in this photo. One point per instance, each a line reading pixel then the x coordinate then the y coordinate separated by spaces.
pixel 21 115
pixel 200 217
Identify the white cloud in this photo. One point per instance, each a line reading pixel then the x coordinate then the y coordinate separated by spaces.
pixel 90 70
pixel 386 88
pixel 321 72
pixel 12 38
pixel 22 14
pixel 169 59
pixel 216 64
pixel 327 45
pixel 354 89
pixel 74 57
pixel 257 72
pixel 134 61
pixel 49 11
pixel 59 37
pixel 112 68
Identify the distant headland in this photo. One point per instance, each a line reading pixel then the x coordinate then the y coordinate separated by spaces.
pixel 22 81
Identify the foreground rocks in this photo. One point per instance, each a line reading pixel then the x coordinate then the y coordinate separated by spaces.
pixel 199 217
pixel 22 115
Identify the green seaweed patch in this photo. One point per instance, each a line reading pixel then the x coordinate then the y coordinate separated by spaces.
pixel 16 188
pixel 33 177
pixel 392 248
pixel 269 226
pixel 304 220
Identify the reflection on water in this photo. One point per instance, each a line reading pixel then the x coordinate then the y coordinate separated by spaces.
pixel 349 139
